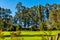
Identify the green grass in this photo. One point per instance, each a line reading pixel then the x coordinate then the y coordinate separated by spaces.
pixel 34 32
pixel 32 35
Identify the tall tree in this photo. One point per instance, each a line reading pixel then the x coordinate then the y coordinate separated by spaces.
pixel 47 8
pixel 40 15
pixel 54 6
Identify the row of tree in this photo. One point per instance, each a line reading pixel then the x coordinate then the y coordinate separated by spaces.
pixel 37 17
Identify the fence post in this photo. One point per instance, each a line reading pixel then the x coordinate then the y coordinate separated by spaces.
pixel 57 36
pixel 50 38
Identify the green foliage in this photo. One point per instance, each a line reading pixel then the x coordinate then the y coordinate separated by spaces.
pixel 41 26
pixel 31 16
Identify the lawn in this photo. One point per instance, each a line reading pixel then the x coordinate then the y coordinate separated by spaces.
pixel 31 35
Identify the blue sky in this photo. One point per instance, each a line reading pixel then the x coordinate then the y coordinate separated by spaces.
pixel 11 4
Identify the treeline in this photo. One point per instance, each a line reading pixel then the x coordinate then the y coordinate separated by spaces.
pixel 35 18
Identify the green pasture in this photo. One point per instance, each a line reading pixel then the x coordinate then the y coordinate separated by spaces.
pixel 30 35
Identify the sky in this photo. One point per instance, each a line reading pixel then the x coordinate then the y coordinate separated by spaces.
pixel 11 4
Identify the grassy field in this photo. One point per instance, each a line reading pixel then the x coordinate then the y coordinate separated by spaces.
pixel 31 35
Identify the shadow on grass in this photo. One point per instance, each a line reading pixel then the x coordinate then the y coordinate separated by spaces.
pixel 28 35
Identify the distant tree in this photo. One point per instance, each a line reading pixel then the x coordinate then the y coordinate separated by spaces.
pixel 4 15
pixel 58 6
pixel 1 24
pixel 40 16
pixel 47 8
pixel 10 22
pixel 40 13
pixel 35 17
pixel 45 25
pixel 54 6
pixel 20 14
pixel 6 18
